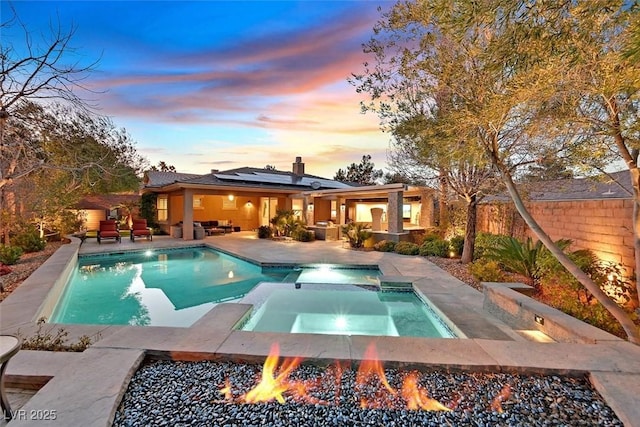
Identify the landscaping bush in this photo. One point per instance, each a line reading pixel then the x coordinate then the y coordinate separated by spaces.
pixel 10 255
pixel 456 244
pixel 485 270
pixel 483 242
pixel 567 300
pixel 286 222
pixel 436 247
pixel 407 248
pixel 264 232
pixel 356 233
pixel 385 246
pixel 29 240
pixel 519 257
pixel 303 235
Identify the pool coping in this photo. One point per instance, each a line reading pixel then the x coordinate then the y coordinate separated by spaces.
pixel 614 367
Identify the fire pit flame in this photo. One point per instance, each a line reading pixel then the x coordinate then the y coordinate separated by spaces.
pixel 372 367
pixel 275 382
pixel 226 390
pixel 272 386
pixel 418 398
pixel 496 403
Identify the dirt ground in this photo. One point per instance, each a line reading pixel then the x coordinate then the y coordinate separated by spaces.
pixel 27 264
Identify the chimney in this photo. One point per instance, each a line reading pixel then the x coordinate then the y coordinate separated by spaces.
pixel 215 171
pixel 298 167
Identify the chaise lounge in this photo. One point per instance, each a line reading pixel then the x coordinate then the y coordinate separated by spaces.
pixel 108 230
pixel 139 228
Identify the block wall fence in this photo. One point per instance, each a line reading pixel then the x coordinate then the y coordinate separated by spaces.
pixel 604 226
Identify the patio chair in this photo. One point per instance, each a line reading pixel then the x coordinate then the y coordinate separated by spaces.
pixel 139 228
pixel 108 230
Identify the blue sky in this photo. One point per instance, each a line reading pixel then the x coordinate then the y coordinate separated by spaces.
pixel 216 85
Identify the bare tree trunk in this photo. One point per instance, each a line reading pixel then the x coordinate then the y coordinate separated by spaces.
pixel 470 231
pixel 635 180
pixel 442 204
pixel 627 324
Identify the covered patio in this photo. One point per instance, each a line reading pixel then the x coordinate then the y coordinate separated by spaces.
pixel 246 198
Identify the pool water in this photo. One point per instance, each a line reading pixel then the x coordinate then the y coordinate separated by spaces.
pixel 164 288
pixel 341 310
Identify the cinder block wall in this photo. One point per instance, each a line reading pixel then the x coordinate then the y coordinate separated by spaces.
pixel 604 226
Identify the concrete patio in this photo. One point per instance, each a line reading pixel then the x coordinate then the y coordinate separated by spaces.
pixel 85 388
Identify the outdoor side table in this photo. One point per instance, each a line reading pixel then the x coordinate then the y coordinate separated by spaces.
pixel 9 346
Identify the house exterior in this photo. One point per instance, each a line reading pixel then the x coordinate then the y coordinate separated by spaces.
pixel 247 198
pixel 94 209
pixel 596 215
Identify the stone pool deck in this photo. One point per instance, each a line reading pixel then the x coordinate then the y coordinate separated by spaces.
pixel 84 389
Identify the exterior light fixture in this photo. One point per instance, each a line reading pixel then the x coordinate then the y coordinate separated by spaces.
pixel 231 197
pixel 343 207
pixel 310 206
pixel 539 319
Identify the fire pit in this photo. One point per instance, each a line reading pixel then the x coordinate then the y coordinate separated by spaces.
pixel 286 393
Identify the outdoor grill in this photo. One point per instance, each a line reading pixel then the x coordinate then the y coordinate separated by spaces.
pixel 325 230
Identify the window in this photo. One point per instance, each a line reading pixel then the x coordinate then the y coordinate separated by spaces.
pixel 406 211
pixel 334 210
pixel 162 208
pixel 198 202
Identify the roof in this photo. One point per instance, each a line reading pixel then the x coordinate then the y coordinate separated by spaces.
pixel 106 201
pixel 616 185
pixel 244 177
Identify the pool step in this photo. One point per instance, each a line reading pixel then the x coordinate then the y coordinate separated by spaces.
pixel 396 283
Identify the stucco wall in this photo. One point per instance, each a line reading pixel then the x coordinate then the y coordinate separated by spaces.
pixel 604 226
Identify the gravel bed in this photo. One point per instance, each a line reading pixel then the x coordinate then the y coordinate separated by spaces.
pixel 165 393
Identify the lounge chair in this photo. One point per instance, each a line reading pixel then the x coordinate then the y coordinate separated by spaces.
pixel 139 228
pixel 108 230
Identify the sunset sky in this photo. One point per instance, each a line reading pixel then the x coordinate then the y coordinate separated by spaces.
pixel 216 85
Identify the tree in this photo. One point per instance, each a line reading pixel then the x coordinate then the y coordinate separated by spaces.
pixel 362 173
pixel 499 88
pixel 163 167
pixel 413 110
pixel 49 139
pixel 85 154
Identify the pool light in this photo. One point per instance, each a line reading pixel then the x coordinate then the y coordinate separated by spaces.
pixel 148 252
pixel 341 323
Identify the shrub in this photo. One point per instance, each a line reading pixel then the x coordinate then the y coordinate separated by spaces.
pixel 429 237
pixel 356 233
pixel 9 255
pixel 29 240
pixel 485 241
pixel 385 246
pixel 569 301
pixel 456 244
pixel 407 248
pixel 486 271
pixel 518 257
pixel 303 235
pixel 437 247
pixel 47 340
pixel 286 222
pixel 264 232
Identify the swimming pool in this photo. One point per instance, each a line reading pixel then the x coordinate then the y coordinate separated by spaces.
pixel 167 288
pixel 341 310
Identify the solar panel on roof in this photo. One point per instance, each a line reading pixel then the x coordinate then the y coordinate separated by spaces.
pixel 270 178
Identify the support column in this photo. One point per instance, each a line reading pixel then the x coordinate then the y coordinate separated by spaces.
pixel 309 210
pixel 394 213
pixel 341 213
pixel 187 215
